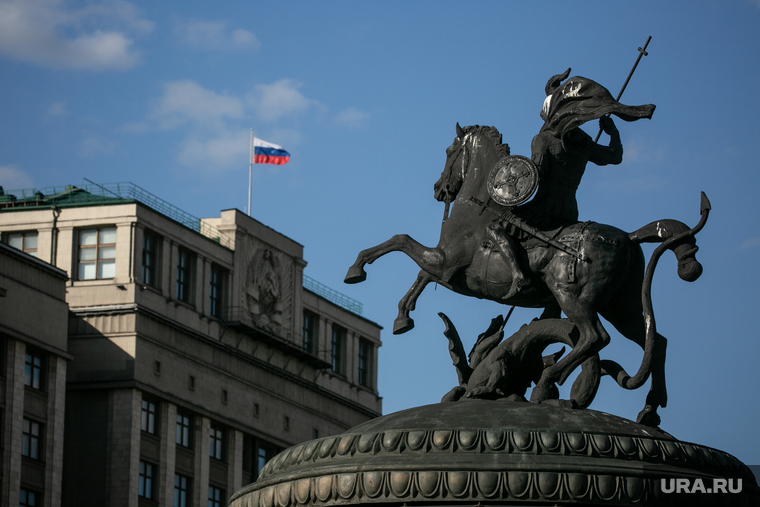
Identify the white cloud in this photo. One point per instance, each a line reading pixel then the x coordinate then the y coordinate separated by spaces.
pixel 12 177
pixel 750 243
pixel 226 149
pixel 214 36
pixel 32 31
pixel 244 38
pixel 57 108
pixel 93 146
pixel 188 102
pixel 352 118
pixel 117 12
pixel 216 125
pixel 279 99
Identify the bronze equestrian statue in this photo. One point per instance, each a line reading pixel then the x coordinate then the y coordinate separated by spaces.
pixel 584 269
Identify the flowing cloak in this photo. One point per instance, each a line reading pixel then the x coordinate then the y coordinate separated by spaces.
pixel 579 100
pixel 561 150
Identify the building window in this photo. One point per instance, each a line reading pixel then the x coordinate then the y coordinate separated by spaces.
pixel 216 291
pixel 338 350
pixel 150 258
pixel 145 480
pixel 181 489
pixel 263 454
pixel 33 370
pixel 286 423
pixel 215 496
pixel 184 271
pixel 365 363
pixel 191 382
pixel 30 439
pixel 148 421
pixel 24 241
pixel 184 427
pixel 97 253
pixel 249 453
pixel 216 443
pixel 29 498
pixel 310 331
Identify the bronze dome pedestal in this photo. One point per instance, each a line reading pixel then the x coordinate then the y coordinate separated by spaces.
pixel 479 452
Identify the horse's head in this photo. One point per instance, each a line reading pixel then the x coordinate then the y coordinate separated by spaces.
pixel 448 185
pixel 472 143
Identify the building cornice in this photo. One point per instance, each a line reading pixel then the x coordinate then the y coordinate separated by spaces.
pixel 136 308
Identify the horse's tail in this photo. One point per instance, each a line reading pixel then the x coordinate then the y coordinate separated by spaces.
pixel 685 249
pixel 678 237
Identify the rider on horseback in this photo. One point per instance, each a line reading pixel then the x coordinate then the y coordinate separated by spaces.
pixel 561 151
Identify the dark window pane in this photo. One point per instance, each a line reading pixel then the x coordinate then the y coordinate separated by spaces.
pixel 310 321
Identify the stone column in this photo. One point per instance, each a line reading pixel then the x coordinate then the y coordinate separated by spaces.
pixel 203 268
pixel 123 462
pixel 56 407
pixel 200 487
pixel 124 253
pixel 138 236
pixel 327 326
pixel 169 270
pixel 66 256
pixel 235 461
pixel 168 453
pixel 352 347
pixel 44 243
pixel 14 420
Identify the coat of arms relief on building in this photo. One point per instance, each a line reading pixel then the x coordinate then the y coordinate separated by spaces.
pixel 267 296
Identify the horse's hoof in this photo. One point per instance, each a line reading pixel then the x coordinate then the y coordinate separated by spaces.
pixel 355 275
pixel 402 324
pixel 649 417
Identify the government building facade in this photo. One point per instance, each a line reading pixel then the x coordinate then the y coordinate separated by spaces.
pixel 191 351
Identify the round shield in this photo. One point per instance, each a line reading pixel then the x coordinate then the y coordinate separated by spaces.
pixel 513 180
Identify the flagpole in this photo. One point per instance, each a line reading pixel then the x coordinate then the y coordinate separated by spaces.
pixel 250 170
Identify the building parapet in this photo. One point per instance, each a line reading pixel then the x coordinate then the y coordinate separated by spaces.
pixel 93 194
pixel 332 295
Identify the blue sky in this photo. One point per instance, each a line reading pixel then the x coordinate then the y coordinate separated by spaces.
pixel 365 96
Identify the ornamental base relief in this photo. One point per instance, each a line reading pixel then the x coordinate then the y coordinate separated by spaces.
pixel 500 453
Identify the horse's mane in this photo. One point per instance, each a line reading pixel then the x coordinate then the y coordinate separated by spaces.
pixel 493 135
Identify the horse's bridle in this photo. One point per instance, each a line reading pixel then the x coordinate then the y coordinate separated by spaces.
pixel 462 153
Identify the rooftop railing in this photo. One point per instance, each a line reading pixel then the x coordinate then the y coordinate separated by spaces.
pixel 92 193
pixel 333 296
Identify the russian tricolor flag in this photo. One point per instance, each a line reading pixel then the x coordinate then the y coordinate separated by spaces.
pixel 268 153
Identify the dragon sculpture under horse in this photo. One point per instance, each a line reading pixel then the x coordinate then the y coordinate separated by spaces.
pixel 611 282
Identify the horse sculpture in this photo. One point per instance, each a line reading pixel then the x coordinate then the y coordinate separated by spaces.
pixel 611 283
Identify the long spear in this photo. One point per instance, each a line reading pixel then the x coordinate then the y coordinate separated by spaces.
pixel 642 52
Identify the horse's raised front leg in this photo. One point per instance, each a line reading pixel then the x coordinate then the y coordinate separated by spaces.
pixel 403 322
pixel 429 259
